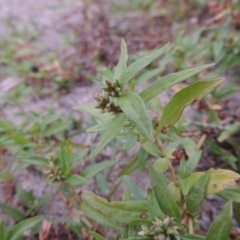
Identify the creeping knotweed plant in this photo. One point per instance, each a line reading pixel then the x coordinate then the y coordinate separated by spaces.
pixel 170 201
pixel 165 229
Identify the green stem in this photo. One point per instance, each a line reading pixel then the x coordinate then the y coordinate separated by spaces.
pixel 159 144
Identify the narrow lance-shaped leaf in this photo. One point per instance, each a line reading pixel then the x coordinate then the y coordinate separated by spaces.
pixel 97 236
pixel 123 212
pixel 111 132
pixel 122 63
pixel 133 187
pixel 26 197
pixel 34 159
pixel 164 83
pixel 150 74
pixel 128 231
pixel 99 217
pixel 138 238
pixel 196 194
pixel 150 148
pixel 163 195
pixel 100 127
pixel 196 91
pixel 55 129
pixel 3 230
pixel 137 162
pixel 141 63
pixel 134 108
pixel 64 160
pixel 93 111
pixel 236 207
pixel 94 169
pixel 232 193
pixel 220 227
pixel 153 207
pixel 12 212
pixel 234 128
pixel 17 231
pixel 192 237
pixel 77 180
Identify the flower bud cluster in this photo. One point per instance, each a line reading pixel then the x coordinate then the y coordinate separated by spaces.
pixel 110 90
pixel 165 229
pixel 54 173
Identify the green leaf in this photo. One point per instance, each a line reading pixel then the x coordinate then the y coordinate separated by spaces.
pixel 149 74
pixel 187 167
pixel 12 212
pixel 140 222
pixel 137 162
pixel 130 72
pixel 196 91
pixel 163 195
pixel 102 183
pixel 26 197
pixel 138 238
pixel 50 118
pixel 55 129
pixel 184 185
pixel 34 159
pixel 19 139
pixel 175 191
pixel 64 160
pixel 130 142
pixel 97 236
pixel 100 127
pixel 114 127
pixel 93 111
pixel 126 194
pixel 232 193
pixel 6 126
pixel 94 169
pixel 128 231
pixel 77 180
pixel 18 230
pixel 99 217
pixel 153 207
pixel 221 226
pixel 161 165
pixel 122 212
pixel 164 83
pixel 150 148
pixel 192 237
pixel 134 108
pixel 230 158
pixel 236 207
pixel 3 231
pixel 196 194
pixel 77 156
pixel 234 128
pixel 133 187
pixel 122 63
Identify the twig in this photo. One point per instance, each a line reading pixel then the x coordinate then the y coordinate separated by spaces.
pixel 201 141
